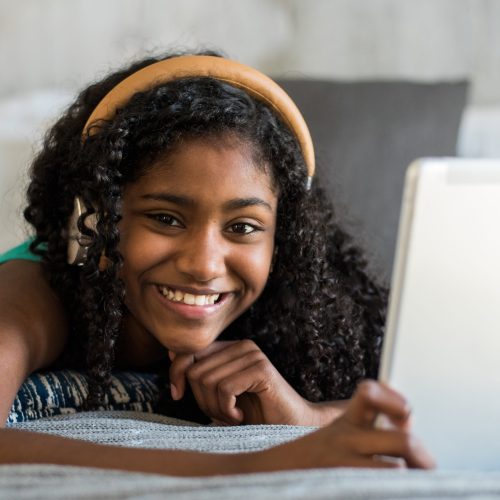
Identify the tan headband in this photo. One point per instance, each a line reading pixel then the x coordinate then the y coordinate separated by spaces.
pixel 244 77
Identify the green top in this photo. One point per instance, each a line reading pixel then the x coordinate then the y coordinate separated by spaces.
pixel 22 251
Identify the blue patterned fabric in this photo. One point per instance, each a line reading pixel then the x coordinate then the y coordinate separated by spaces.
pixel 63 392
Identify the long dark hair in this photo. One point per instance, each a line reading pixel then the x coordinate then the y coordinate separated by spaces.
pixel 320 317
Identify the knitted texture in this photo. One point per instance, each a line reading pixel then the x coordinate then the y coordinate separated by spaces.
pixel 127 428
pixel 24 482
pixel 156 431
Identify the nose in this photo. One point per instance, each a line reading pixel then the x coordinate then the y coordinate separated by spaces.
pixel 203 255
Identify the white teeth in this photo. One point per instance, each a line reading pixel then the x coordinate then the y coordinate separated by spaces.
pixel 189 298
pixel 199 300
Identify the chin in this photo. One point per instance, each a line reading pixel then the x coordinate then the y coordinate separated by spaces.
pixel 190 348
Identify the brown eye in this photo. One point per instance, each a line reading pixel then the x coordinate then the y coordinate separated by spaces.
pixel 165 219
pixel 243 228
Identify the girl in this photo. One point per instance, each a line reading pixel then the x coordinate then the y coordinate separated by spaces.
pixel 178 227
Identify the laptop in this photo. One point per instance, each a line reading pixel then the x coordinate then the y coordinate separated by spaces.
pixel 442 343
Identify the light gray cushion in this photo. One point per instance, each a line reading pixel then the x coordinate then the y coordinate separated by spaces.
pixel 154 431
pixel 365 135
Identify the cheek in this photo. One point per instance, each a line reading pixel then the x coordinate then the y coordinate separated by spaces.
pixel 140 251
pixel 254 267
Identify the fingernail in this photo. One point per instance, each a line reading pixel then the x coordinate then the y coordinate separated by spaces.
pixel 171 355
pixel 174 392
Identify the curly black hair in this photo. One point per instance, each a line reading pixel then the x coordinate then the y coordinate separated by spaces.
pixel 319 319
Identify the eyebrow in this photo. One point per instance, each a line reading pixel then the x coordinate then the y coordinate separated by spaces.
pixel 185 201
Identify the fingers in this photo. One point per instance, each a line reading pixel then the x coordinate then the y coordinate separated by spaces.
pixel 252 378
pixel 372 398
pixel 381 444
pixel 217 381
pixel 219 353
pixel 180 363
pixel 218 375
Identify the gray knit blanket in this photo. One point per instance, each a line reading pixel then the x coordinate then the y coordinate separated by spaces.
pixel 154 431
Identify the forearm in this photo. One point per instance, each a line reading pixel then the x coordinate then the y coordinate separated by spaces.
pixel 26 447
pixel 14 368
pixel 31 312
pixel 32 327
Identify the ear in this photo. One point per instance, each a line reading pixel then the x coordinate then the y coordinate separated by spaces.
pixel 78 242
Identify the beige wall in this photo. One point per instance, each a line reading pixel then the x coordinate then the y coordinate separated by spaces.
pixel 64 43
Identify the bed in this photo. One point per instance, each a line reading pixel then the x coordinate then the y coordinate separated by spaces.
pixel 51 403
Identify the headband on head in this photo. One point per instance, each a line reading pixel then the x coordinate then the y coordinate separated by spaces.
pixel 238 75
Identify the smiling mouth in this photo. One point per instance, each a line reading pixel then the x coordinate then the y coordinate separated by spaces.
pixel 190 298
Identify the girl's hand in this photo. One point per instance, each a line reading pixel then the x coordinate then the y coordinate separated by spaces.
pixel 352 440
pixel 234 383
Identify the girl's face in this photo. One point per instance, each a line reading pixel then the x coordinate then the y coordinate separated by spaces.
pixel 197 238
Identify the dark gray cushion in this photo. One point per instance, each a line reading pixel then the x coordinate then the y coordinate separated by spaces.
pixel 365 135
